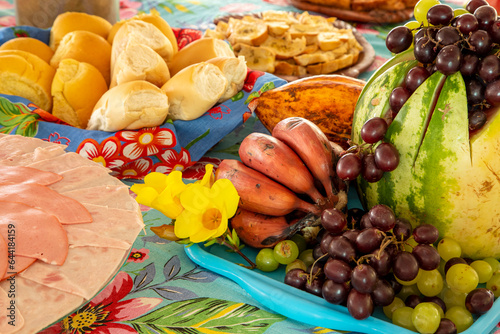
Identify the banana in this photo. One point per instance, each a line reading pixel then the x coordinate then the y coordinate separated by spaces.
pixel 259 193
pixel 326 100
pixel 313 147
pixel 278 161
pixel 260 231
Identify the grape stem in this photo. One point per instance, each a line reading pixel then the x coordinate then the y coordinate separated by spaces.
pixel 312 276
pixel 222 240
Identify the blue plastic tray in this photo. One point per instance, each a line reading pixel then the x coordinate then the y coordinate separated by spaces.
pixel 269 290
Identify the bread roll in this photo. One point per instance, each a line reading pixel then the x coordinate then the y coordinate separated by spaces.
pixel 155 19
pixel 31 45
pixel 235 71
pixel 85 46
pixel 76 88
pixel 198 51
pixel 194 90
pixel 132 105
pixel 140 62
pixel 140 32
pixel 26 75
pixel 72 21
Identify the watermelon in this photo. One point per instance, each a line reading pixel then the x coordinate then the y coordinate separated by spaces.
pixel 444 177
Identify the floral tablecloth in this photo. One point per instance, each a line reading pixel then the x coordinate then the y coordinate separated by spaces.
pixel 159 289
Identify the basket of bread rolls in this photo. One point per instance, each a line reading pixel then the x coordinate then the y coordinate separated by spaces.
pixel 128 87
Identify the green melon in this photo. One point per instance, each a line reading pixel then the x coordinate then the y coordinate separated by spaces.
pixel 444 177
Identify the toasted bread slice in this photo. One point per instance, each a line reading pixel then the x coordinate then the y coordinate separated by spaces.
pixel 285 47
pixel 247 31
pixel 257 58
pixel 279 16
pixel 321 56
pixel 330 66
pixel 330 40
pixel 286 67
pixel 277 29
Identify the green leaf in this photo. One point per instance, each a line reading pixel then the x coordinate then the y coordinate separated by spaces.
pixel 200 137
pixel 210 243
pixel 202 315
pixel 251 96
pixel 238 96
pixel 267 86
pixel 17 117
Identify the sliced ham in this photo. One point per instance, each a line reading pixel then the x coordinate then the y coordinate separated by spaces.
pixel 18 145
pixel 11 319
pixel 110 196
pixel 35 233
pixel 40 305
pixel 85 177
pixel 78 236
pixel 21 174
pixel 40 153
pixel 67 210
pixel 83 273
pixel 20 264
pixel 4 257
pixel 112 222
pixel 64 162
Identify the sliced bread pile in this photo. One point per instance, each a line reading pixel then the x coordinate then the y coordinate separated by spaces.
pixel 286 43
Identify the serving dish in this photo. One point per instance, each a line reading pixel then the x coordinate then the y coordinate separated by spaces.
pixel 365 59
pixel 268 289
pixel 375 16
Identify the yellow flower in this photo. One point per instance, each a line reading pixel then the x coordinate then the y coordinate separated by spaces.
pixel 206 210
pixel 209 177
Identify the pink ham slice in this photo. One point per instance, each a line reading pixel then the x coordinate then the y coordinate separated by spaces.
pixel 9 312
pixel 40 305
pixel 40 153
pixel 13 145
pixel 78 236
pixel 64 162
pixel 85 271
pixel 85 177
pixel 4 257
pixel 67 210
pixel 20 174
pixel 110 196
pixel 36 234
pixel 112 222
pixel 21 263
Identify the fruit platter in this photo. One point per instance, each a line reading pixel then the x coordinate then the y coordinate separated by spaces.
pixel 367 206
pixel 419 251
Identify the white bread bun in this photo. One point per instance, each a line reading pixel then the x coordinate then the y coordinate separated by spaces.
pixel 26 75
pixel 194 90
pixel 85 46
pixel 235 71
pixel 132 105
pixel 71 21
pixel 199 51
pixel 76 88
pixel 155 19
pixel 140 62
pixel 31 45
pixel 140 32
